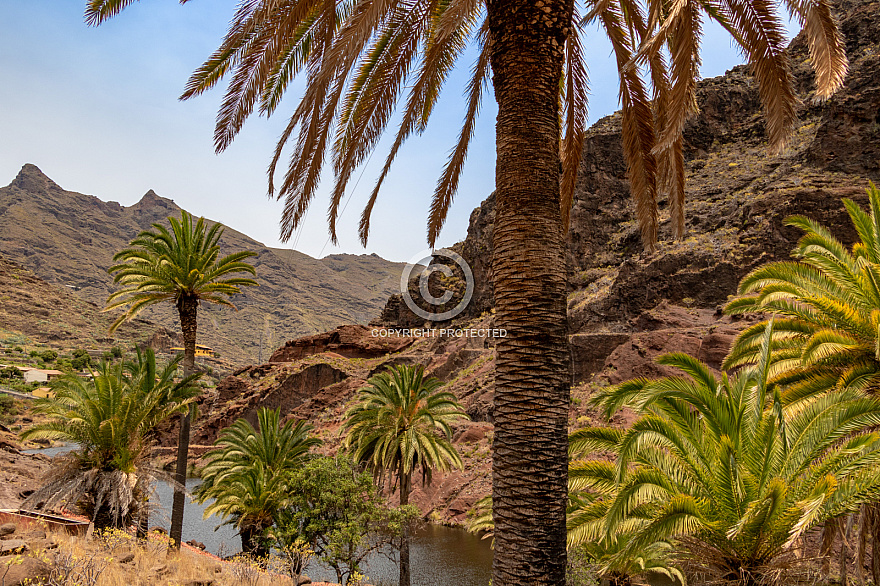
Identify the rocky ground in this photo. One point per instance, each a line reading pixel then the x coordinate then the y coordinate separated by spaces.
pixel 31 555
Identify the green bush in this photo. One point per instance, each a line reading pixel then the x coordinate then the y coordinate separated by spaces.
pixel 116 351
pixel 80 360
pixel 18 349
pixel 10 372
pixel 7 408
pixel 48 355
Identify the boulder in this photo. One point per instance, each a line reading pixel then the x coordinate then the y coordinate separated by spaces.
pixel 21 571
pixel 13 546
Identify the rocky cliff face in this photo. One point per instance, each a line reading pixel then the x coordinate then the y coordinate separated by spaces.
pixel 69 239
pixel 737 194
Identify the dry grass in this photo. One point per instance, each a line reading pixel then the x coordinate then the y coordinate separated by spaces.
pixel 118 559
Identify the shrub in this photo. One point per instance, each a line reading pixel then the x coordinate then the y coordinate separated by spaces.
pixel 10 372
pixel 80 359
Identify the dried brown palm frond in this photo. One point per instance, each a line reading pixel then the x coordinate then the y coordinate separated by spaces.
pixel 362 57
pixel 373 95
pixel 637 123
pixel 106 497
pixel 667 109
pixel 448 183
pixel 826 44
pixel 762 39
pixel 574 106
pixel 440 56
pixel 713 566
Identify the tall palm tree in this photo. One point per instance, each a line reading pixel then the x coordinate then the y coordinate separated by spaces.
pixel 722 468
pixel 393 430
pixel 826 304
pixel 182 266
pixel 360 55
pixel 247 474
pixel 111 419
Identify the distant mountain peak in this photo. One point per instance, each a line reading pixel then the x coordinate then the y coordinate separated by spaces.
pixel 31 178
pixel 153 200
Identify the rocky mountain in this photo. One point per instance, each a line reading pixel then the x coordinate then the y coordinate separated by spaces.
pixel 69 239
pixel 625 307
pixel 32 310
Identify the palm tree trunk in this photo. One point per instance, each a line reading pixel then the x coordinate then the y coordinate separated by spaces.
pixel 875 544
pixel 845 531
pixel 829 529
pixel 405 482
pixel 529 461
pixel 187 308
pixel 860 555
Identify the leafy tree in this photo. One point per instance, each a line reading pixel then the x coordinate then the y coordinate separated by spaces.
pixel 110 418
pixel 724 470
pixel 363 57
pixel 116 351
pixel 826 305
pixel 48 355
pixel 248 474
pixel 7 408
pixel 10 372
pixel 80 360
pixel 393 430
pixel 182 266
pixel 340 513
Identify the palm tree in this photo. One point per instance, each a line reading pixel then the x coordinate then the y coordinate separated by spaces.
pixel 728 473
pixel 183 266
pixel 393 430
pixel 247 475
pixel 826 305
pixel 360 55
pixel 111 419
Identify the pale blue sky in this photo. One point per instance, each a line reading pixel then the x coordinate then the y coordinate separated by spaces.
pixel 96 109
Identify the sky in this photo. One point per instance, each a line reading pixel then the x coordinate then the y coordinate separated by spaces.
pixel 97 109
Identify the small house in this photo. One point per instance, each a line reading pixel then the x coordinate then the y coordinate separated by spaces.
pixel 38 375
pixel 200 350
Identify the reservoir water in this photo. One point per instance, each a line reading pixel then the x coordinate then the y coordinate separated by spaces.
pixel 439 556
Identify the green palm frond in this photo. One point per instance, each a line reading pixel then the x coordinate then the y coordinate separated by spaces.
pixel 731 469
pixel 163 265
pixel 829 298
pixel 247 474
pixel 111 418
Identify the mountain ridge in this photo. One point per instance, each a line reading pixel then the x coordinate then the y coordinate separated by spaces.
pixel 69 238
